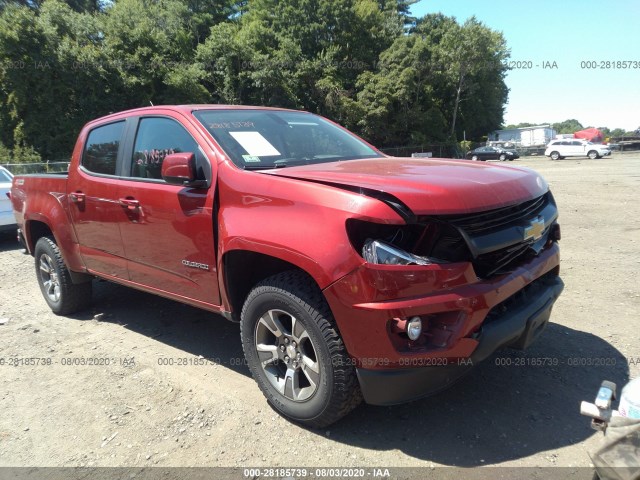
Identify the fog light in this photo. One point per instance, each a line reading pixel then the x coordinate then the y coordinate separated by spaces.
pixel 414 328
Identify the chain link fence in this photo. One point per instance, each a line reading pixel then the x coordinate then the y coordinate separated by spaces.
pixel 39 167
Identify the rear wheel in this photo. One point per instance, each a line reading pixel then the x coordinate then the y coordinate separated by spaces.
pixel 474 157
pixel 593 155
pixel 555 156
pixel 295 353
pixel 62 295
pixel 503 157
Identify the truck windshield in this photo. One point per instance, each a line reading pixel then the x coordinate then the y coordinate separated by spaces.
pixel 264 139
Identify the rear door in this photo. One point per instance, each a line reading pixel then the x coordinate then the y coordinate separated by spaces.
pixel 168 235
pixel 93 200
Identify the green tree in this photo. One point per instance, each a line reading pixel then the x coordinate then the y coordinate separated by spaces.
pixel 397 104
pixel 89 6
pixel 568 126
pixel 427 86
pixel 472 59
pixel 5 154
pixel 299 53
pixel 365 63
pixel 54 78
pixel 150 46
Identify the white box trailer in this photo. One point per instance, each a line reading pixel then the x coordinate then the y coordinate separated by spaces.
pixel 536 136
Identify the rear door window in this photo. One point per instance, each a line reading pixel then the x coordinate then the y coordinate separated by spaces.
pixel 101 148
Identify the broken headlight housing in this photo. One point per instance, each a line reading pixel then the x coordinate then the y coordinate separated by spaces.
pixel 380 252
pixel 419 244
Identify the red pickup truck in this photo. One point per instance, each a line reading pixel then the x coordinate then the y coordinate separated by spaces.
pixel 352 274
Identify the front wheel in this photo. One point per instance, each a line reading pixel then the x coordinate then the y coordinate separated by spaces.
pixel 503 157
pixel 475 157
pixel 555 156
pixel 295 353
pixel 62 295
pixel 593 155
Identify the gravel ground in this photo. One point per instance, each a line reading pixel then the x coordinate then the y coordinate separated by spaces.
pixel 165 384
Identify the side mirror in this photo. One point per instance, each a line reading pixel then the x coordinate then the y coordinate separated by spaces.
pixel 180 169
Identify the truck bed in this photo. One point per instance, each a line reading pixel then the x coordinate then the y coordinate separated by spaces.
pixel 41 193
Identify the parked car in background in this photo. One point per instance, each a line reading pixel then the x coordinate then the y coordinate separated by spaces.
pixel 559 149
pixel 492 153
pixel 7 220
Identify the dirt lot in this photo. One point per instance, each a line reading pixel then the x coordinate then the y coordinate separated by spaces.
pixel 205 410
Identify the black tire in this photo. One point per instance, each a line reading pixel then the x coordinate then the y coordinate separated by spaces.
pixel 293 304
pixel 474 158
pixel 555 156
pixel 503 157
pixel 62 295
pixel 593 155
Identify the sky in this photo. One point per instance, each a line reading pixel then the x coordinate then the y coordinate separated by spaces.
pixel 567 32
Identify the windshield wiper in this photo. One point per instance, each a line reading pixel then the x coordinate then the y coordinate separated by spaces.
pixel 257 167
pixel 287 162
pixel 294 161
pixel 282 163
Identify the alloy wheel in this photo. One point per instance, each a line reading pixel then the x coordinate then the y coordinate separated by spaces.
pixel 287 355
pixel 49 276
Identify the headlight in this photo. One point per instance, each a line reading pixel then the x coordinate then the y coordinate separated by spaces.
pixel 377 251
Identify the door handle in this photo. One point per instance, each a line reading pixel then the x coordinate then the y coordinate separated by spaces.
pixel 129 203
pixel 77 197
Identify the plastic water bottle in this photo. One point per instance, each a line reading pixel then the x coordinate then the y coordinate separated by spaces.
pixel 630 400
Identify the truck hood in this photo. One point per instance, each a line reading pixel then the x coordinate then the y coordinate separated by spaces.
pixel 428 186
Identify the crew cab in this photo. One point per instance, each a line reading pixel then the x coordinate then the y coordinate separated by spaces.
pixel 559 149
pixel 353 275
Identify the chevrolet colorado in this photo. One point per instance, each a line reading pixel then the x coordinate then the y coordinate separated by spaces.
pixel 353 275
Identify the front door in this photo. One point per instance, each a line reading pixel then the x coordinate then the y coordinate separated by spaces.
pixel 577 148
pixel 168 237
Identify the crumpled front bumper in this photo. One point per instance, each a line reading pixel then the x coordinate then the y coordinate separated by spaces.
pixel 509 310
pixel 517 328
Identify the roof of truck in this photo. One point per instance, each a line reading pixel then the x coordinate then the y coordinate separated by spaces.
pixel 185 109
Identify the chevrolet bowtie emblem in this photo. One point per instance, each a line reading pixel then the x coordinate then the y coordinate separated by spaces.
pixel 535 229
